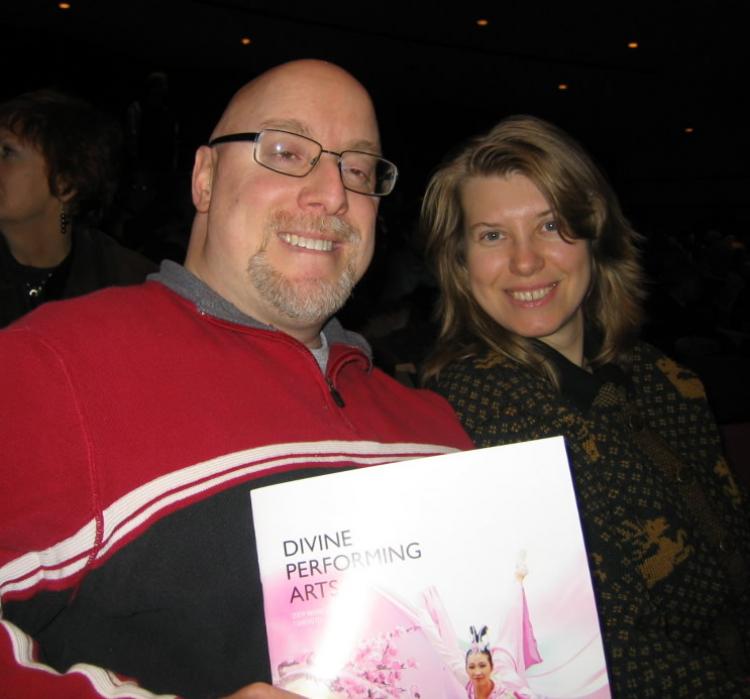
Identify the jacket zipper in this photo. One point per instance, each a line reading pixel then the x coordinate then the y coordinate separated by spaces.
pixel 333 370
pixel 334 393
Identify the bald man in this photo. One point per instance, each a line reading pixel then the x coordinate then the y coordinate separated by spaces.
pixel 135 421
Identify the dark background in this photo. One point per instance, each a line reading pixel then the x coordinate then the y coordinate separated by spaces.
pixel 437 77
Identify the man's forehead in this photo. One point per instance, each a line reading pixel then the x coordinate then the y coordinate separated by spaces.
pixel 312 98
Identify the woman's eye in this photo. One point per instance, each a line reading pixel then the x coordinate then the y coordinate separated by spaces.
pixel 551 227
pixel 491 236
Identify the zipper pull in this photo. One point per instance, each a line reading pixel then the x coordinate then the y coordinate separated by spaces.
pixel 336 395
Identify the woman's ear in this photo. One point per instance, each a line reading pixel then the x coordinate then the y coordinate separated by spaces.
pixel 203 170
pixel 63 190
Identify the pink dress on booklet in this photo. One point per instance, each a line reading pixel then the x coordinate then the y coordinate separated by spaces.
pixel 513 651
pixel 497 693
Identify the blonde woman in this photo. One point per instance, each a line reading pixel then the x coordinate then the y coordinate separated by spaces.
pixel 541 293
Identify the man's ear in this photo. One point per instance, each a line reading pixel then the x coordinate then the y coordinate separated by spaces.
pixel 203 171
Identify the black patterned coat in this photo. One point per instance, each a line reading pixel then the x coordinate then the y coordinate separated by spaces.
pixel 676 621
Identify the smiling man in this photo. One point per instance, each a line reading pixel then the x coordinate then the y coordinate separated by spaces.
pixel 286 252
pixel 136 421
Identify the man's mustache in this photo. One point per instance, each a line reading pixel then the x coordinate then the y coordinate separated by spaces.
pixel 332 227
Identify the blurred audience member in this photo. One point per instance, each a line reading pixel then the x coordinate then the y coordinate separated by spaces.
pixel 156 211
pixel 58 173
pixel 153 128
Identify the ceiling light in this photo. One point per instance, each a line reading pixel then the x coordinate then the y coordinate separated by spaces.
pixel 246 41
pixel 689 129
pixel 482 22
pixel 562 86
pixel 63 5
pixel 632 44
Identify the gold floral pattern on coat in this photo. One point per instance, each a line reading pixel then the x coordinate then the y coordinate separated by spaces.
pixel 687 383
pixel 731 488
pixel 664 554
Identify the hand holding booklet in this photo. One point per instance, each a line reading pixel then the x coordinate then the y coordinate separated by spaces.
pixel 427 578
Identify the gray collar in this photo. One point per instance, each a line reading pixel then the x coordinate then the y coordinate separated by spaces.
pixel 184 283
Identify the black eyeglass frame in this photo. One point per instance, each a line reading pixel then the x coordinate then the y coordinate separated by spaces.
pixel 252 137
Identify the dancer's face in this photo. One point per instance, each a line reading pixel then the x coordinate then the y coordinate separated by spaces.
pixel 478 667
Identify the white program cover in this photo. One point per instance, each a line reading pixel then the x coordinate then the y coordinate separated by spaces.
pixel 373 578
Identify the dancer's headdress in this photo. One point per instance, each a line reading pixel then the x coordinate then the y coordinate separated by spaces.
pixel 478 644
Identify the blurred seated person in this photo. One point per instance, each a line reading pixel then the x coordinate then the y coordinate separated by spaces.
pixel 679 315
pixel 58 173
pixel 541 298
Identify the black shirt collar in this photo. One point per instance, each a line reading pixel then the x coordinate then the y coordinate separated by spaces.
pixel 578 385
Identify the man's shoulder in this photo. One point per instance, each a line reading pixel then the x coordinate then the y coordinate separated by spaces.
pixel 99 312
pixel 422 413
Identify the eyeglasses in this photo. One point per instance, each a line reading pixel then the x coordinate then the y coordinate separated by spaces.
pixel 291 154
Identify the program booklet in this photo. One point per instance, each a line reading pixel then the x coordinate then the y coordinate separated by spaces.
pixel 423 578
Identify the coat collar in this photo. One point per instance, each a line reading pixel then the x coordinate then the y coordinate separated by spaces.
pixel 184 283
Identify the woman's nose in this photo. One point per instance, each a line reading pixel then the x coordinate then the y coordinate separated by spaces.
pixel 526 258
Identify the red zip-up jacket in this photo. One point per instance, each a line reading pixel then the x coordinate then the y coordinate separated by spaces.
pixel 133 424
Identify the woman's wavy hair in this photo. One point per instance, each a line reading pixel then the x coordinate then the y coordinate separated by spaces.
pixel 81 146
pixel 585 206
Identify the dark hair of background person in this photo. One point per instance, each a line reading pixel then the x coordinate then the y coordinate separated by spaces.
pixel 81 145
